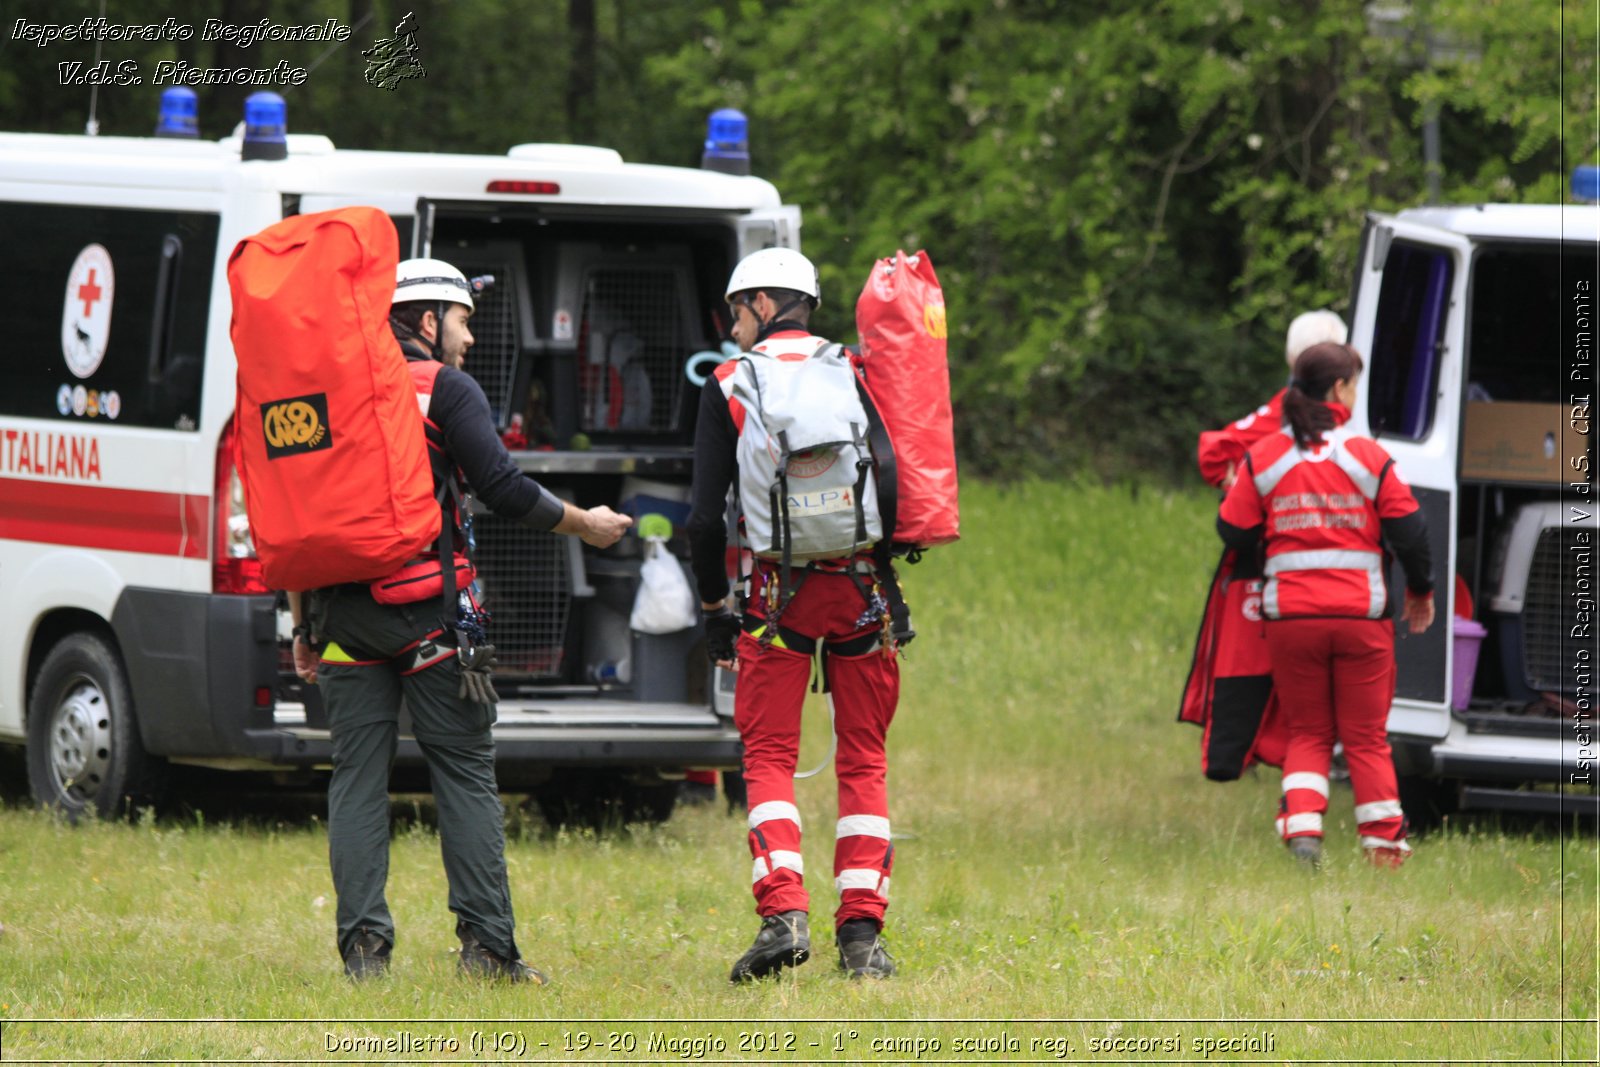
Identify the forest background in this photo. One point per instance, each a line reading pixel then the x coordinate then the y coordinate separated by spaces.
pixel 1126 202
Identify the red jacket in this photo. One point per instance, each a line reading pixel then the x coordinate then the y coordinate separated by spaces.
pixel 1220 448
pixel 1324 514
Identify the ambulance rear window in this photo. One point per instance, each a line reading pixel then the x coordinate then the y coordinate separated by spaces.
pixel 1403 367
pixel 113 314
pixel 1526 300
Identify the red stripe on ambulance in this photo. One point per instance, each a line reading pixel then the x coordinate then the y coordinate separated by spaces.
pixel 97 516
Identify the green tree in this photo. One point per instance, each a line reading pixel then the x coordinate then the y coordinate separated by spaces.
pixel 1126 203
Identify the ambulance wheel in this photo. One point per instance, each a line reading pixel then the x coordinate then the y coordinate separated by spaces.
pixel 603 800
pixel 84 753
pixel 1428 802
pixel 652 803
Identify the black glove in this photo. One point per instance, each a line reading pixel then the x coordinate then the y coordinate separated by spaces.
pixel 722 633
pixel 477 661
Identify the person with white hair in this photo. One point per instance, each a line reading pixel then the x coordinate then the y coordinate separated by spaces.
pixel 1221 450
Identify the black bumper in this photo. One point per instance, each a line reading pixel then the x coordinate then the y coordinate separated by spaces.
pixel 200 666
pixel 197 663
pixel 528 760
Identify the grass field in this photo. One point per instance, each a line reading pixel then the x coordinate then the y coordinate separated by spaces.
pixel 1067 887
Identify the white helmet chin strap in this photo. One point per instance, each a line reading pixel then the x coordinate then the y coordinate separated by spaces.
pixel 773 324
pixel 436 346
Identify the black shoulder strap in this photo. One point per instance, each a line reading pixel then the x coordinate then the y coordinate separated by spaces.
pixel 884 459
pixel 888 512
pixel 447 554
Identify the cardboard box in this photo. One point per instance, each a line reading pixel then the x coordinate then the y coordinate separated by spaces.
pixel 1507 441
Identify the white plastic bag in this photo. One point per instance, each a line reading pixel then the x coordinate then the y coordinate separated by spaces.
pixel 665 603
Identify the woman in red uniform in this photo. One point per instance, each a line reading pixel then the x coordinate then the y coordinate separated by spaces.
pixel 1326 503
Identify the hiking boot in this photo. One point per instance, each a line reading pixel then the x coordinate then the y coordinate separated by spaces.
pixel 861 950
pixel 784 941
pixel 1307 850
pixel 481 962
pixel 367 956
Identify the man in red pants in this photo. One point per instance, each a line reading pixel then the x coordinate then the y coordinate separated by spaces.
pixel 1327 504
pixel 832 607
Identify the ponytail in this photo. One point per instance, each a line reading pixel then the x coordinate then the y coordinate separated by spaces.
pixel 1316 371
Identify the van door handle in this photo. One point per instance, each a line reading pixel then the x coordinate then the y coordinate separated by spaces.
pixel 166 306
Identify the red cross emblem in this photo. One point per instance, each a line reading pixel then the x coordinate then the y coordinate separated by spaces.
pixel 89 292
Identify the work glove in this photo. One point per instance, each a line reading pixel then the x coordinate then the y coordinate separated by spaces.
pixel 477 662
pixel 722 633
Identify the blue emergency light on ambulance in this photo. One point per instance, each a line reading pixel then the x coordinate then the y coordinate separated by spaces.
pixel 1586 183
pixel 180 113
pixel 727 142
pixel 266 120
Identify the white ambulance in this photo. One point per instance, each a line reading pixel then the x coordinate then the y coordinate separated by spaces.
pixel 1478 327
pixel 136 632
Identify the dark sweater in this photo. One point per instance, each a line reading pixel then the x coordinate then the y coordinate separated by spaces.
pixel 461 412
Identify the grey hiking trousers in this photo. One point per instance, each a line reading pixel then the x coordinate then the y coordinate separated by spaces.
pixel 364 656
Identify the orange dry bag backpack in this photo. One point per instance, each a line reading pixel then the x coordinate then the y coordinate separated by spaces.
pixel 330 443
pixel 900 317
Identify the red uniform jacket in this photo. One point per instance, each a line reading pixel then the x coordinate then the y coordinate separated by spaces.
pixel 1220 448
pixel 1321 513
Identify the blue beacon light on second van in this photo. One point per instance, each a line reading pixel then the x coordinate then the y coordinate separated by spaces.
pixel 266 121
pixel 727 147
pixel 1586 183
pixel 180 113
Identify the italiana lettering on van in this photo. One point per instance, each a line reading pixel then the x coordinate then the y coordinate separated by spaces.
pixel 50 455
pixel 86 310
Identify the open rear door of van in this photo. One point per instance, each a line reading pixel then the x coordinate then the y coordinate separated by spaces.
pixel 1408 323
pixel 777 227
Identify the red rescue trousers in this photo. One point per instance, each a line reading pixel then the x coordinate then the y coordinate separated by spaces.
pixel 826 609
pixel 1335 679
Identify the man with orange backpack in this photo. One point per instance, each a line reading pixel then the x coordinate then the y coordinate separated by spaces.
pixel 370 645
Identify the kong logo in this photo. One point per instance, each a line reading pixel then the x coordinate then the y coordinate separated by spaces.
pixel 299 424
pixel 933 321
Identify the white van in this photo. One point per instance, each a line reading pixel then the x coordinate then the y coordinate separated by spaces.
pixel 136 631
pixel 1478 324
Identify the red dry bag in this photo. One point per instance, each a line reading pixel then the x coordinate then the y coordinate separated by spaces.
pixel 900 317
pixel 1229 692
pixel 330 445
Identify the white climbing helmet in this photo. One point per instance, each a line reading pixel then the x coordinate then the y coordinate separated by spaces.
pixel 431 279
pixel 775 268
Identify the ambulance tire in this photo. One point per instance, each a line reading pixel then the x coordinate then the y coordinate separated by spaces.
pixel 13 773
pixel 652 803
pixel 1428 802
pixel 601 800
pixel 84 752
